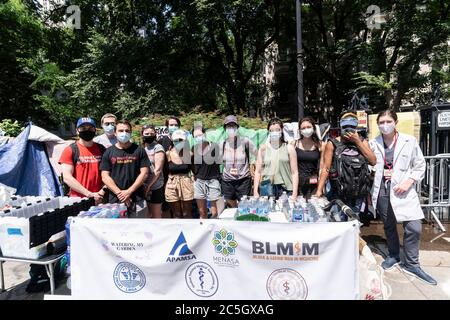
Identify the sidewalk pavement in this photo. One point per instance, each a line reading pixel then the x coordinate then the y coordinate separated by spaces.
pixel 434 258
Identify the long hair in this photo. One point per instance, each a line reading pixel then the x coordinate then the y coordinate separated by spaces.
pixel 314 137
pixel 280 123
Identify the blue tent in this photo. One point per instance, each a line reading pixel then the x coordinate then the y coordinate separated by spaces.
pixel 24 165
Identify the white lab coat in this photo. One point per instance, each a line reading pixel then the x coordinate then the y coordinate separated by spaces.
pixel 408 163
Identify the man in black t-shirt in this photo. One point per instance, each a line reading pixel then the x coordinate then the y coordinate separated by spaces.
pixel 124 169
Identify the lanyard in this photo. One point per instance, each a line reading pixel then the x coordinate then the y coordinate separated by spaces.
pixel 384 157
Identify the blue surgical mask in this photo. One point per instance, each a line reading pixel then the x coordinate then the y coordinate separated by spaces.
pixel 124 137
pixel 172 129
pixel 109 129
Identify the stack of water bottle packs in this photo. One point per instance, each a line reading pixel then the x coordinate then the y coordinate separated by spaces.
pixel 266 208
pixel 31 227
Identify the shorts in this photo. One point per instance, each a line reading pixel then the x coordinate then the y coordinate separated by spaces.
pixel 138 209
pixel 207 189
pixel 236 189
pixel 157 196
pixel 179 188
pixel 305 188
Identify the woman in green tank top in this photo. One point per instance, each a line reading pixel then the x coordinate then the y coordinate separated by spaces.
pixel 276 165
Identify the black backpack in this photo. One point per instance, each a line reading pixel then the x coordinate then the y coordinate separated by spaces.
pixel 76 152
pixel 350 171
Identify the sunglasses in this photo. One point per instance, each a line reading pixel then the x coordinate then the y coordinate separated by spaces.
pixel 109 123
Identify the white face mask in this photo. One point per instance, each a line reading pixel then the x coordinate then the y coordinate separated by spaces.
pixel 275 135
pixel 387 128
pixel 124 137
pixel 231 132
pixel 308 132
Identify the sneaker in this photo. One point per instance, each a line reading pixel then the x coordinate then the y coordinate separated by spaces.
pixel 419 274
pixel 389 263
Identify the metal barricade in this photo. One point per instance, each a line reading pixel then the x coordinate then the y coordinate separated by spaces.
pixel 434 189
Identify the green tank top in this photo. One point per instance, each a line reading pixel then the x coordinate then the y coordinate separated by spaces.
pixel 277 167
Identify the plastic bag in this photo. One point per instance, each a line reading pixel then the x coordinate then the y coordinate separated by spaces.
pixel 372 285
pixel 5 194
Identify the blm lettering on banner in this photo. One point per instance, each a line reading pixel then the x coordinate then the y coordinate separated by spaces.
pixel 217 259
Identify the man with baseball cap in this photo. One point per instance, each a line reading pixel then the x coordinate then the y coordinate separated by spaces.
pixel 236 153
pixel 80 163
pixel 347 154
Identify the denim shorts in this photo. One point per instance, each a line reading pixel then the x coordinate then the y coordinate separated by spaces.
pixel 207 189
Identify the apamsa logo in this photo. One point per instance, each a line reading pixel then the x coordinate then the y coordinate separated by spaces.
pixel 180 250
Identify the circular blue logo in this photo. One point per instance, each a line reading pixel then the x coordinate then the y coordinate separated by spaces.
pixel 201 279
pixel 128 278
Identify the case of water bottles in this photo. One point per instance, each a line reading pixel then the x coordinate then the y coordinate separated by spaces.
pixel 21 214
pixel 284 209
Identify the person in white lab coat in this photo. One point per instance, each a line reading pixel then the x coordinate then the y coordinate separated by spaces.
pixel 400 165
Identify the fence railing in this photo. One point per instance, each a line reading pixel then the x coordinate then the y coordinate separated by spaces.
pixel 434 189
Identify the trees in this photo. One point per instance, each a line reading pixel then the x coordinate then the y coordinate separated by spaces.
pixel 231 37
pixel 207 54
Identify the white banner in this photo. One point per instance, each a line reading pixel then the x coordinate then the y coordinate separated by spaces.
pixel 212 259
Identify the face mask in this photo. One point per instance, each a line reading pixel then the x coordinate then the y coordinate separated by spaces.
pixel 231 132
pixel 275 136
pixel 149 139
pixel 173 128
pixel 86 135
pixel 124 137
pixel 308 132
pixel 109 130
pixel 387 128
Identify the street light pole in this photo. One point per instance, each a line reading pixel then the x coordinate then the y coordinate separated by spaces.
pixel 300 97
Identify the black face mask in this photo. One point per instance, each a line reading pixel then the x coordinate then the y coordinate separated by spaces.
pixel 149 139
pixel 86 135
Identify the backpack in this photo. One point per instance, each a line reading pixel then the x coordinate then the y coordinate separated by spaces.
pixel 76 152
pixel 350 171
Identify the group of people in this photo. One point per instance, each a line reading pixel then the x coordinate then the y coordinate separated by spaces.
pixel 161 177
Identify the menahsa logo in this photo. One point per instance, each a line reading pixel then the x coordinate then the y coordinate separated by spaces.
pixel 225 244
pixel 180 250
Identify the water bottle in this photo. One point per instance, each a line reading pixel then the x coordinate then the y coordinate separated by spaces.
pixel 115 211
pixel 252 208
pixel 243 206
pixel 297 213
pixel 123 210
pixel 306 217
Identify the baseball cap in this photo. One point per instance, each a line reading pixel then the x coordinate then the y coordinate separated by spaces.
pixel 178 135
pixel 86 120
pixel 230 119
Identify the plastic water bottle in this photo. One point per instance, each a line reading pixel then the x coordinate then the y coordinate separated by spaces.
pixel 306 217
pixel 252 208
pixel 123 210
pixel 115 211
pixel 297 212
pixel 243 206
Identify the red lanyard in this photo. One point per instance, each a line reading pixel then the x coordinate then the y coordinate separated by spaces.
pixel 384 157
